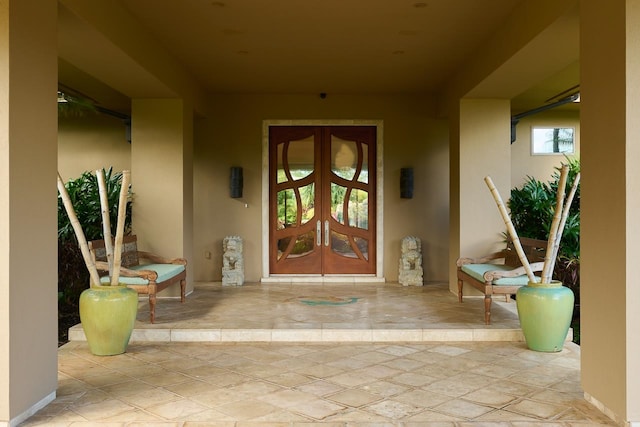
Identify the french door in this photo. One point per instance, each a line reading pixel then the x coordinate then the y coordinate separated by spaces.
pixel 322 200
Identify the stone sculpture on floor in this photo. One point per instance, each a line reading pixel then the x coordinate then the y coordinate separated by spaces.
pixel 232 261
pixel 410 273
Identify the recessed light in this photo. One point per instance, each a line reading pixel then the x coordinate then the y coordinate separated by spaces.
pixel 218 4
pixel 419 5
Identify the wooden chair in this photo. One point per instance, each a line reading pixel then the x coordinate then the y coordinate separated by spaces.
pixel 490 277
pixel 149 278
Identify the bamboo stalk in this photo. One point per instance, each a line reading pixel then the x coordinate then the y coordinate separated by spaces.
pixel 510 228
pixel 122 205
pixel 549 261
pixel 77 228
pixel 106 221
pixel 565 215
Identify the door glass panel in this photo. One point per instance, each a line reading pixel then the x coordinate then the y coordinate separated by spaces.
pixel 280 175
pixel 364 173
pixel 307 197
pixel 341 246
pixel 287 209
pixel 338 193
pixel 344 158
pixel 300 157
pixel 359 209
pixel 303 245
pixel 283 244
pixel 363 245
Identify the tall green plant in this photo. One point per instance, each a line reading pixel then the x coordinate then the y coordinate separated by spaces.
pixel 85 196
pixel 532 207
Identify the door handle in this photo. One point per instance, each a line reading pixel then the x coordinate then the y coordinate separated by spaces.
pixel 318 233
pixel 326 232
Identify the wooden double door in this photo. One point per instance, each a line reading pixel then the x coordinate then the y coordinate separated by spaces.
pixel 322 200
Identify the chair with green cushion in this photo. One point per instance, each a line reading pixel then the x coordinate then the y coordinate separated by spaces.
pixel 500 273
pixel 148 278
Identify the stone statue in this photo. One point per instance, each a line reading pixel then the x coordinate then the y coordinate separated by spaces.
pixel 232 261
pixel 410 273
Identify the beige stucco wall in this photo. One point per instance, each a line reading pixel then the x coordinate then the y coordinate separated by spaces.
pixel 479 148
pixel 610 284
pixel 91 142
pixel 541 167
pixel 99 141
pixel 413 137
pixel 28 289
pixel 161 180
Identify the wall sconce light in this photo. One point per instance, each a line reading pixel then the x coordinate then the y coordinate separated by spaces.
pixel 235 182
pixel 406 183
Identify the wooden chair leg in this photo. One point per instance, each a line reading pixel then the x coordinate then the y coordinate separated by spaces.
pixel 460 290
pixel 152 307
pixel 183 289
pixel 487 309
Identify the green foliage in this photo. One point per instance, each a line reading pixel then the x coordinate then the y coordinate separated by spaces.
pixel 85 196
pixel 532 207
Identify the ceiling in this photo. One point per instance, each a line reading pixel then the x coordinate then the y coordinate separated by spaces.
pixel 314 46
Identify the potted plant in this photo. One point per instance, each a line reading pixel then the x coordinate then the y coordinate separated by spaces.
pixel 107 313
pixel 531 207
pixel 73 276
pixel 545 306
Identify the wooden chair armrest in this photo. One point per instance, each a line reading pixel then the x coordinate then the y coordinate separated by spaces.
pixel 157 259
pixel 490 276
pixel 125 272
pixel 143 274
pixel 481 260
pixel 102 266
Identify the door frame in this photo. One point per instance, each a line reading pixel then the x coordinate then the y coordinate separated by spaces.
pixel 316 278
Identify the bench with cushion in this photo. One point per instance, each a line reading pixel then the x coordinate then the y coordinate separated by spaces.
pixel 148 278
pixel 500 273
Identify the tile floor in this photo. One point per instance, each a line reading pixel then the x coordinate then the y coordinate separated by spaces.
pixel 273 382
pixel 323 313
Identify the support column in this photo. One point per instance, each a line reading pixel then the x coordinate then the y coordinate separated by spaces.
pixel 610 206
pixel 479 146
pixel 28 212
pixel 162 179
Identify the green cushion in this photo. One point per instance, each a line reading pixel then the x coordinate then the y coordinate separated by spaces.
pixel 165 272
pixel 477 272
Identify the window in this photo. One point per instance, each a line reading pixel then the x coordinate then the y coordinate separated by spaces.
pixel 549 140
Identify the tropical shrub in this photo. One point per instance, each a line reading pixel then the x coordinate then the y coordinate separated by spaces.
pixel 532 207
pixel 85 196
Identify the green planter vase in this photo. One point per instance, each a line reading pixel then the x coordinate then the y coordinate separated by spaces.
pixel 545 311
pixel 108 314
